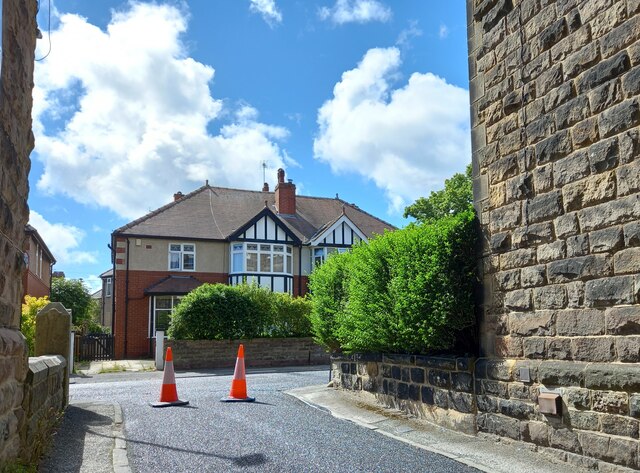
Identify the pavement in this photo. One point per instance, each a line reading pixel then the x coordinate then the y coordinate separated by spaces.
pixel 90 438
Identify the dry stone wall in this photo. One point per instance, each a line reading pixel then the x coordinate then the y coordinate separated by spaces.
pixel 555 111
pixel 16 143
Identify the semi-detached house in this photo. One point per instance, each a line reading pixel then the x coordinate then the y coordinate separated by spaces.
pixel 221 235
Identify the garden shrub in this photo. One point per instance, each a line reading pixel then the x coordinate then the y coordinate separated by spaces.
pixel 30 309
pixel 408 291
pixel 329 294
pixel 221 312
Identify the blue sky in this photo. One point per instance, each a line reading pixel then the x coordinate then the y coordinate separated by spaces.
pixel 137 100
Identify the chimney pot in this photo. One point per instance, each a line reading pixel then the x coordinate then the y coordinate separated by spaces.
pixel 177 196
pixel 265 187
pixel 280 176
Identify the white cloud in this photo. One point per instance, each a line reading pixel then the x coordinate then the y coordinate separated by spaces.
pixel 93 283
pixel 443 32
pixel 408 140
pixel 268 10
pixel 356 11
pixel 63 241
pixel 406 35
pixel 121 116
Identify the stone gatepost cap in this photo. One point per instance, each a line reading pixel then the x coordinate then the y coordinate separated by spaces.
pixel 54 306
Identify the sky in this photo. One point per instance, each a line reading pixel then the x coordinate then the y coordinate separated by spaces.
pixel 136 100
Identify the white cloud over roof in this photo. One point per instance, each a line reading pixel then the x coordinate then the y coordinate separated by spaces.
pixel 122 116
pixel 268 9
pixel 408 140
pixel 62 240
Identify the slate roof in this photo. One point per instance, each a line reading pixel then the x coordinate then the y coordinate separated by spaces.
pixel 174 285
pixel 215 213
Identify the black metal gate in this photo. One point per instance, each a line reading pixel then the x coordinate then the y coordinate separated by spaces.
pixel 94 347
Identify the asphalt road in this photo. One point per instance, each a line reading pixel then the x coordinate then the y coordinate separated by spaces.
pixel 276 433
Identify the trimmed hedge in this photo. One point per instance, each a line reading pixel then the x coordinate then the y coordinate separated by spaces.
pixel 408 291
pixel 222 312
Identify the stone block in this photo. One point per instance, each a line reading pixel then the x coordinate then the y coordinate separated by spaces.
pixel 553 148
pixel 427 395
pixel 629 143
pixel 577 398
pixel 632 234
pixel 631 82
pixel 500 242
pixel 576 323
pixel 616 290
pixel 634 405
pixel 553 33
pixel 511 142
pixel 619 425
pixel 623 320
pixel 533 276
pixel 517 258
pixel 565 439
pixel 585 133
pixel 544 207
pixel 583 420
pixel 613 377
pixel 516 408
pixel 580 61
pixel 628 178
pixel 519 187
pixel 621 210
pixel 508 280
pixel 543 178
pixel 627 261
pixel 575 294
pixel 589 191
pixel 628 349
pixel 462 402
pixel 607 240
pixel 438 378
pixel 561 373
pixel 550 297
pixel 595 349
pixel 539 323
pixel 503 168
pixel 557 97
pixel 499 425
pixel 603 155
pixel 549 79
pixel 487 403
pixel 518 300
pixel 572 112
pixel 558 349
pixel 417 375
pixel 603 72
pixel 605 96
pixel 577 245
pixel 534 348
pixel 604 447
pixel 538 433
pixel 619 118
pixel 585 267
pixel 539 129
pixel 505 218
pixel 566 225
pixel 570 169
pixel 462 382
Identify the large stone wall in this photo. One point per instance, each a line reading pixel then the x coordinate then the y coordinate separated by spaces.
pixel 555 111
pixel 16 143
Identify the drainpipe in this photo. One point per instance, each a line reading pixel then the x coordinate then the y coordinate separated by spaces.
pixel 126 302
pixel 300 270
pixel 113 286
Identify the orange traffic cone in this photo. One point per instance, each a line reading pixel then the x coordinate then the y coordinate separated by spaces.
pixel 169 393
pixel 238 391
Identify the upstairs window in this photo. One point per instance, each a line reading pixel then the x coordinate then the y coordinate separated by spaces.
pixel 107 287
pixel 261 258
pixel 320 255
pixel 182 257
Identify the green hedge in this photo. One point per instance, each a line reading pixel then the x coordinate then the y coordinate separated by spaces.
pixel 221 312
pixel 408 291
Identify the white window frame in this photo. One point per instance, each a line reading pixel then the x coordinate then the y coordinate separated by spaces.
pixel 261 250
pixel 175 300
pixel 182 253
pixel 323 253
pixel 107 287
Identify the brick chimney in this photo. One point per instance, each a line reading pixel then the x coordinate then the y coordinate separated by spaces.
pixel 265 187
pixel 285 195
pixel 177 196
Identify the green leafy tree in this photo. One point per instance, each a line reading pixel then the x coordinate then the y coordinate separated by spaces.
pixel 30 309
pixel 456 197
pixel 74 295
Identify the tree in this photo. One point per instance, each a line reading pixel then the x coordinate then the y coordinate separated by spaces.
pixel 30 309
pixel 73 294
pixel 456 197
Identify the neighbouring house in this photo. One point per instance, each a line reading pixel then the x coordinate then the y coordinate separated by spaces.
pixel 106 301
pixel 36 279
pixel 221 235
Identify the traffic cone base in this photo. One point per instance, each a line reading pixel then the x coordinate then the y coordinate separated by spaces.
pixel 168 393
pixel 238 392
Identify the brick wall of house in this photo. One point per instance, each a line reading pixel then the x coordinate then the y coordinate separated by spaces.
pixel 555 115
pixel 16 143
pixel 138 343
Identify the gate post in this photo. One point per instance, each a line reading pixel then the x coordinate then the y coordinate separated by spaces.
pixel 160 350
pixel 72 348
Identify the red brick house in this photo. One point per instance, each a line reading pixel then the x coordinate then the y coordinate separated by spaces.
pixel 36 280
pixel 221 235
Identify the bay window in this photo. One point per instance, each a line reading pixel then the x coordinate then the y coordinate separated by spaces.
pixel 261 258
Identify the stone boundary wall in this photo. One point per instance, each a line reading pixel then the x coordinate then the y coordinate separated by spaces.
pixel 598 427
pixel 437 389
pixel 258 352
pixel 16 143
pixel 44 400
